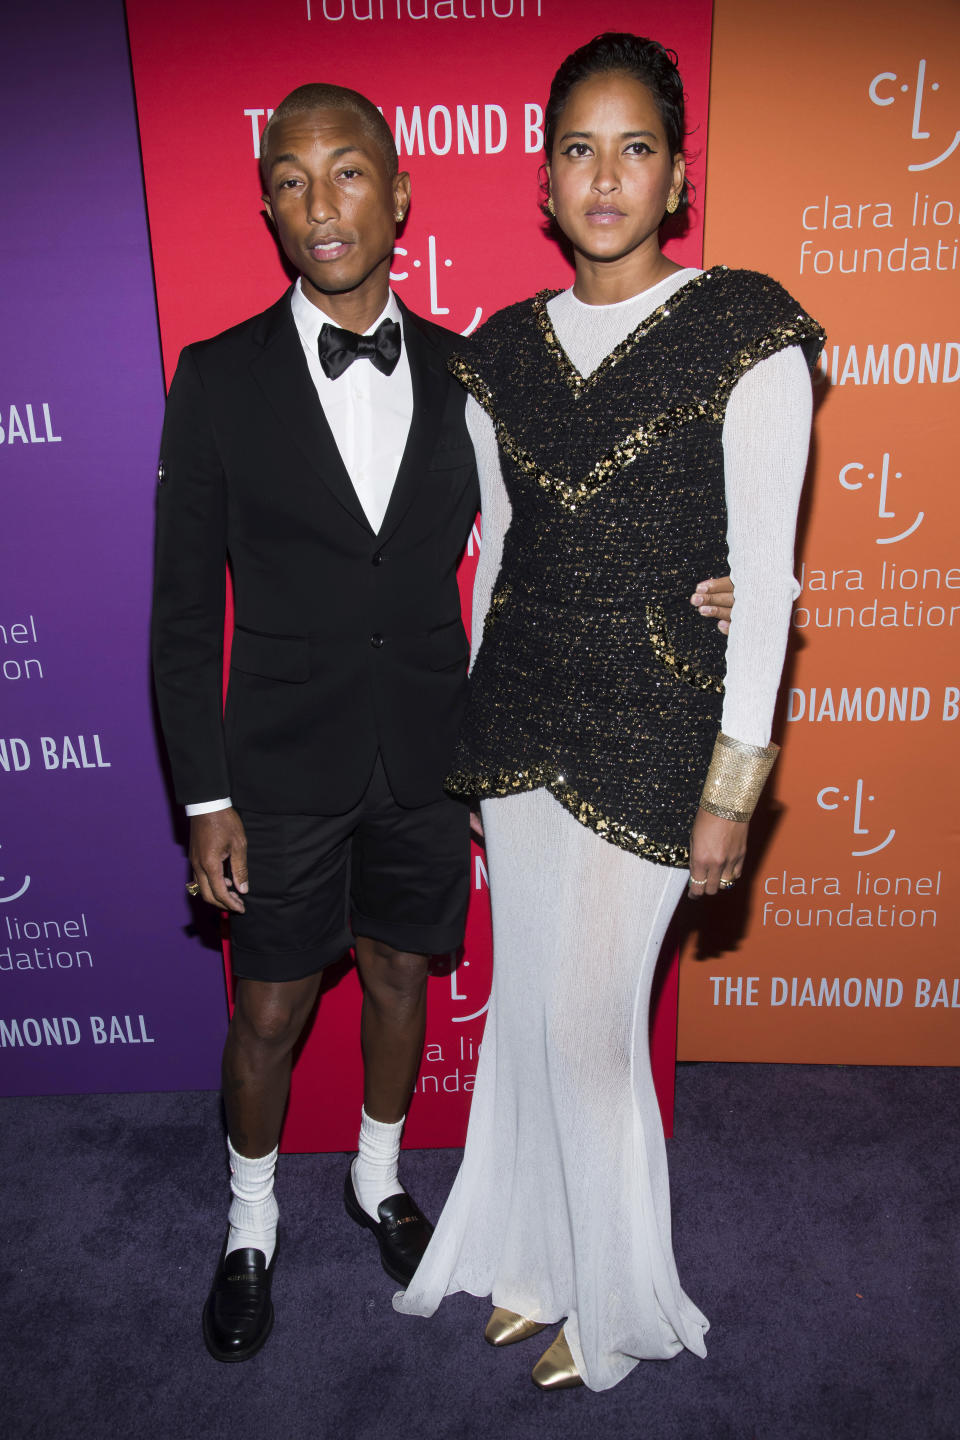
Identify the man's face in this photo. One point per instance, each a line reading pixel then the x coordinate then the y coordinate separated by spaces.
pixel 334 203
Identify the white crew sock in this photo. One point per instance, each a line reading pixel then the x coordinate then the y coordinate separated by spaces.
pixel 375 1168
pixel 253 1210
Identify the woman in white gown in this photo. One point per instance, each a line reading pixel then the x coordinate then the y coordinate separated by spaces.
pixel 632 433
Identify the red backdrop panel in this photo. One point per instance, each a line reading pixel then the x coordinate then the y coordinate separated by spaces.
pixel 462 84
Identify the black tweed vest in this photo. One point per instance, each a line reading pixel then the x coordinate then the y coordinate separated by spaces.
pixel 596 678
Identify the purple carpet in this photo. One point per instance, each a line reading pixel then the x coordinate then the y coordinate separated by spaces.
pixel 815 1214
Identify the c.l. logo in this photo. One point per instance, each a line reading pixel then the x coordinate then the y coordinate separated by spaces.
pixel 854 466
pixel 7 899
pixel 886 78
pixel 831 798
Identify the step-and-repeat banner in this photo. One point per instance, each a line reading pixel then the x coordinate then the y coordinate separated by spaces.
pixel 834 164
pixel 462 84
pixel 100 986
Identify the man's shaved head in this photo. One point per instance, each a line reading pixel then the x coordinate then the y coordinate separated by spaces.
pixel 307 98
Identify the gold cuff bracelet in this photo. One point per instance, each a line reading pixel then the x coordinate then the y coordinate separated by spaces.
pixel 736 776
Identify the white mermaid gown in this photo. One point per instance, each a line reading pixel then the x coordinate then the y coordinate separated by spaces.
pixel 561 1207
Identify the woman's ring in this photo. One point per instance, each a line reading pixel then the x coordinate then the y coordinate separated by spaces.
pixel 727 884
pixel 193 888
pixel 697 882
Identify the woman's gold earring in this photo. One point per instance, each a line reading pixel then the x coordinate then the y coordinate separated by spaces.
pixel 673 203
pixel 550 207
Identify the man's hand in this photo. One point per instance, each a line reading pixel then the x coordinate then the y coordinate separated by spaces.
pixel 216 839
pixel 714 600
pixel 717 848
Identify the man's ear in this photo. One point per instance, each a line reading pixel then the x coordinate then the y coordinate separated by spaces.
pixel 268 210
pixel 401 196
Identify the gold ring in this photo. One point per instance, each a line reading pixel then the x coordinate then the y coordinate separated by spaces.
pixel 727 884
pixel 193 888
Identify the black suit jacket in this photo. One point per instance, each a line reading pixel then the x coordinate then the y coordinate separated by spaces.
pixel 346 642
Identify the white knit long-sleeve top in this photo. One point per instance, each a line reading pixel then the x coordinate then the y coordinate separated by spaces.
pixel 766 434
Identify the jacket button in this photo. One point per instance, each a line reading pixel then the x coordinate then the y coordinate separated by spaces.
pixel 378 558
pixel 376 641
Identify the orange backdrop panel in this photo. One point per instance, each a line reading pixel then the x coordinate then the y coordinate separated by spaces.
pixel 834 165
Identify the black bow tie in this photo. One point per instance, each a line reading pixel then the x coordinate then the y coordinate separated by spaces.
pixel 339 348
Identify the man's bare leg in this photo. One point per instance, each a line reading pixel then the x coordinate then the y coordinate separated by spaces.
pixel 392 1026
pixel 266 1024
pixel 267 1021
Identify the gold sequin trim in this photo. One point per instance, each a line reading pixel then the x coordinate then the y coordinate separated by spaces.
pixel 637 442
pixel 648 434
pixel 580 384
pixel 662 644
pixel 495 784
pixel 777 338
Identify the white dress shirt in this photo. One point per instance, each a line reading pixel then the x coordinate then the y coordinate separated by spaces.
pixel 369 414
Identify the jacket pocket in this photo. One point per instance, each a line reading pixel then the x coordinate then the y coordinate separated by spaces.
pixel 448 646
pixel 451 457
pixel 275 657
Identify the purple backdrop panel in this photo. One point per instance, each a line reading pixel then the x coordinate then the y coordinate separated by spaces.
pixel 103 985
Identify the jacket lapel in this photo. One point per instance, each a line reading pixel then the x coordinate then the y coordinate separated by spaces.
pixel 429 378
pixel 281 372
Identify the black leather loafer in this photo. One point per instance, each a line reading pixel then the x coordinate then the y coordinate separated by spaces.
pixel 402 1232
pixel 238 1315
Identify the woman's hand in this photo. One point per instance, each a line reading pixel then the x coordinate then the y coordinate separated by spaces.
pixel 717 848
pixel 714 599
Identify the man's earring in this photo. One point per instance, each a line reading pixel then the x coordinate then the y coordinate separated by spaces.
pixel 550 206
pixel 673 203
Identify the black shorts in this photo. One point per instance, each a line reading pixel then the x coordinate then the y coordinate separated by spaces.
pixel 383 871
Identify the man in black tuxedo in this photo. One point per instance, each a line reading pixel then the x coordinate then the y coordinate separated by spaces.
pixel 343 494
pixel 322 447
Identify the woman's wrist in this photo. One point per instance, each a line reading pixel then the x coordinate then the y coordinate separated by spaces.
pixel 736 777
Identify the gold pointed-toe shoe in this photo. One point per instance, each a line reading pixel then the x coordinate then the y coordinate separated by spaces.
pixel 555 1369
pixel 506 1327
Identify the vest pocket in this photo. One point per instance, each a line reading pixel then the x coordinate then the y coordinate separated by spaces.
pixel 681 658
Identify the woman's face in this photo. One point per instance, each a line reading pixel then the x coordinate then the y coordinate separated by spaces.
pixel 611 170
